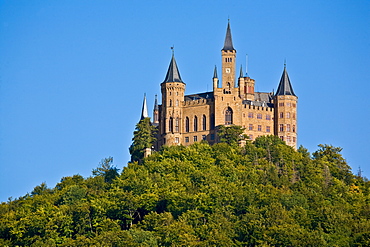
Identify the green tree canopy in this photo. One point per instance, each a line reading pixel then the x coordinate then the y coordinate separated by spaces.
pixel 144 137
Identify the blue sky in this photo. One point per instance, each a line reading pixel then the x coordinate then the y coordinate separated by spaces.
pixel 73 74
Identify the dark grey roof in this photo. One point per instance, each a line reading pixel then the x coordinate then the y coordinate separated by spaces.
pixel 156 108
pixel 191 97
pixel 241 72
pixel 285 88
pixel 215 73
pixel 260 99
pixel 173 74
pixel 228 40
pixel 144 110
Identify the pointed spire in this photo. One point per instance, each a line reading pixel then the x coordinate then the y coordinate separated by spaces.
pixel 241 71
pixel 215 73
pixel 285 87
pixel 173 74
pixel 156 107
pixel 228 45
pixel 144 110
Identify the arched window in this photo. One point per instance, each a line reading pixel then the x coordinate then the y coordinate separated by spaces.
pixel 177 125
pixel 204 122
pixel 187 124
pixel 228 116
pixel 170 125
pixel 170 102
pixel 195 123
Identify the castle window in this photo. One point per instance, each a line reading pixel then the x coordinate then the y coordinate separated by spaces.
pixel 288 127
pixel 195 123
pixel 282 138
pixel 177 125
pixel 250 127
pixel 288 104
pixel 204 137
pixel 281 114
pixel 170 102
pixel 259 128
pixel 288 115
pixel 177 140
pixel 204 122
pixel 268 129
pixel 228 116
pixel 288 138
pixel 293 115
pixel 187 124
pixel 250 137
pixel 293 128
pixel 294 105
pixel 195 138
pixel 259 116
pixel 250 114
pixel 187 139
pixel 170 125
pixel 294 140
pixel 268 117
pixel 281 104
pixel 177 102
pixel 281 127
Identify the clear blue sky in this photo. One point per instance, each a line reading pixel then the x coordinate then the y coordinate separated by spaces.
pixel 73 74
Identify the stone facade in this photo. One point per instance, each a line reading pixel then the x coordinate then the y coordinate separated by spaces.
pixel 185 119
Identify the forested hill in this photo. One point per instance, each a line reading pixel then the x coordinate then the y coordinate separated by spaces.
pixel 264 194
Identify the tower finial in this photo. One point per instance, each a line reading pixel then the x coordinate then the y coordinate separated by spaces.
pixel 173 50
pixel 284 63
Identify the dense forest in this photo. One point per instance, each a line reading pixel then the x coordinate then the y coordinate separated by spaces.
pixel 263 194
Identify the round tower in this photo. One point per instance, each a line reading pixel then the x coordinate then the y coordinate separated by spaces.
pixel 285 102
pixel 173 89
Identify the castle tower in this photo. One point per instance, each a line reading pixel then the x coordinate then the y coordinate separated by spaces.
pixel 285 102
pixel 226 95
pixel 156 112
pixel 228 54
pixel 173 89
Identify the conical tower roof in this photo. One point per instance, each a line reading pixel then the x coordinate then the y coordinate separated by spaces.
pixel 215 73
pixel 156 107
pixel 144 110
pixel 228 45
pixel 285 87
pixel 173 74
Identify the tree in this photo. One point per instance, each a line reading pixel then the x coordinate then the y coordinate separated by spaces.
pixel 106 170
pixel 230 134
pixel 144 137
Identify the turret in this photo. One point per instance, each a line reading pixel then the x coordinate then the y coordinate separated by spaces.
pixel 215 79
pixel 285 102
pixel 173 89
pixel 156 112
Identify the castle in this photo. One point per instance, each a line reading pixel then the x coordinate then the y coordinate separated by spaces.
pixel 185 119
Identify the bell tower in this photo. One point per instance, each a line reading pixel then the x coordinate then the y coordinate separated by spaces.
pixel 228 54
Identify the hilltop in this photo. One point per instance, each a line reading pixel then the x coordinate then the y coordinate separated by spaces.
pixel 263 194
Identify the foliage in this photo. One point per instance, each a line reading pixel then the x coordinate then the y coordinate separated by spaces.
pixel 231 134
pixel 144 137
pixel 264 194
